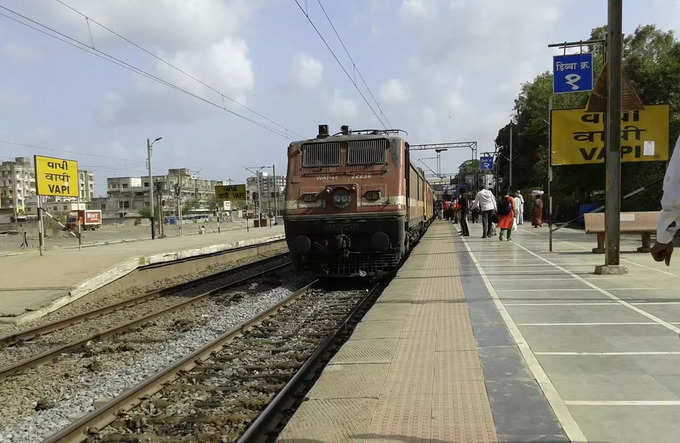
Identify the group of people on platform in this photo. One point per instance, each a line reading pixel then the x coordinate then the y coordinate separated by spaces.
pixel 503 214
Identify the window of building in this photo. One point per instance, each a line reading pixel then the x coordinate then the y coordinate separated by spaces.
pixel 125 185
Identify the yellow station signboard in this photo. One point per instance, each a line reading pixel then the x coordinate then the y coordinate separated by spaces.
pixel 577 136
pixel 56 176
pixel 230 193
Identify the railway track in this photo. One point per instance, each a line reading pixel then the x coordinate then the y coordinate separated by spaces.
pixel 209 286
pixel 239 385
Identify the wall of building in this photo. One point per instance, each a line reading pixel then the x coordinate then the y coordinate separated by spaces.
pixel 17 182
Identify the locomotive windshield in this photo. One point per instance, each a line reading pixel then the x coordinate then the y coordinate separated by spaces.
pixel 366 152
pixel 321 154
pixel 359 152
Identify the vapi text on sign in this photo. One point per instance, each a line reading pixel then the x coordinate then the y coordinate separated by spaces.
pixel 577 137
pixel 56 176
pixel 230 192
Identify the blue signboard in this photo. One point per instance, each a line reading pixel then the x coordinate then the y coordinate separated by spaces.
pixel 572 73
pixel 486 163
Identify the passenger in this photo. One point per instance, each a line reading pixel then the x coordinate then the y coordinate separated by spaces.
pixel 487 206
pixel 669 219
pixel 519 207
pixel 474 211
pixel 464 210
pixel 447 210
pixel 537 216
pixel 506 215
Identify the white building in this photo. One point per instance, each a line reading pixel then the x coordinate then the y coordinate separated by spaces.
pixel 17 182
pixel 264 189
pixel 86 181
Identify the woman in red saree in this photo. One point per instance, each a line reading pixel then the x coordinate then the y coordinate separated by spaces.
pixel 505 220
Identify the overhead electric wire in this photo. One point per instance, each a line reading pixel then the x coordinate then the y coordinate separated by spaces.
pixel 106 56
pixel 356 68
pixel 68 151
pixel 175 67
pixel 340 63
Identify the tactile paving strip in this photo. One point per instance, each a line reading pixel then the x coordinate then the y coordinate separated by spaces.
pixel 366 351
pixel 329 420
pixel 416 353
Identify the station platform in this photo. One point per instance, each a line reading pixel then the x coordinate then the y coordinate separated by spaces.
pixel 32 285
pixel 477 340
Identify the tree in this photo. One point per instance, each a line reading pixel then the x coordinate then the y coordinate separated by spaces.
pixel 652 63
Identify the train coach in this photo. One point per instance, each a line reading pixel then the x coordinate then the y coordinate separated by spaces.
pixel 355 204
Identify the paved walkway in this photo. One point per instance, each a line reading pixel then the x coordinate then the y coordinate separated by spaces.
pixel 29 281
pixel 414 370
pixel 605 349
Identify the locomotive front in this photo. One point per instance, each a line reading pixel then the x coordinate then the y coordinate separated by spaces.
pixel 346 202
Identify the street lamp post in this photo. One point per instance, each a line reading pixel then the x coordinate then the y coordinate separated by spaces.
pixel 258 173
pixel 149 144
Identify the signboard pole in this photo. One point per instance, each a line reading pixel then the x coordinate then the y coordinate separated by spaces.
pixel 276 195
pixel 41 227
pixel 613 143
pixel 550 231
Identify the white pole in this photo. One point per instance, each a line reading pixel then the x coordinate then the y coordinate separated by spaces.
pixel 148 150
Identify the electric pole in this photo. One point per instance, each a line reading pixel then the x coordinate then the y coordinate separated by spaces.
pixel 613 142
pixel 148 150
pixel 510 178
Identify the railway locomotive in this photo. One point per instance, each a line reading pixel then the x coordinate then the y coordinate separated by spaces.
pixel 355 204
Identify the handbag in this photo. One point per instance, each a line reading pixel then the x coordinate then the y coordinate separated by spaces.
pixel 494 217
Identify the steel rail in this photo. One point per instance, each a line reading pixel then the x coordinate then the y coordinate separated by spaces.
pixel 65 322
pixel 262 428
pixel 102 417
pixel 47 355
pixel 61 324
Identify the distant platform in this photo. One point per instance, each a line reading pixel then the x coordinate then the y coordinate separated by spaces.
pixel 32 285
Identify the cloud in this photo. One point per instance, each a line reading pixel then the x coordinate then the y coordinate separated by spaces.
pixel 392 92
pixel 306 72
pixel 342 109
pixel 19 53
pixel 418 9
pixel 224 65
pixel 166 25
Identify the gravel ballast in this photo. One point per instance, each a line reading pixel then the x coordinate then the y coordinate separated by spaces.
pixel 43 400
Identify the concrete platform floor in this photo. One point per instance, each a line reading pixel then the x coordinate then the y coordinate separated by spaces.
pixel 605 349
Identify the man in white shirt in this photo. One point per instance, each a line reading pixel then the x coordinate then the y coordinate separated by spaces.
pixel 486 202
pixel 669 220
pixel 519 207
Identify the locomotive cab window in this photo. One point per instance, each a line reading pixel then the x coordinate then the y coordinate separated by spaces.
pixel 367 152
pixel 320 154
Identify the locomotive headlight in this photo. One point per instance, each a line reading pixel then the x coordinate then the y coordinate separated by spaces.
pixel 341 198
pixel 309 198
pixel 372 195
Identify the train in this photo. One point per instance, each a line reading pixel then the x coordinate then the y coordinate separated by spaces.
pixel 355 204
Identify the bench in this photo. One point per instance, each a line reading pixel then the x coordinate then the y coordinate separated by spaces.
pixel 643 223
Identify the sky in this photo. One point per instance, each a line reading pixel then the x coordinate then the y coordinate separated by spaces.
pixel 442 70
